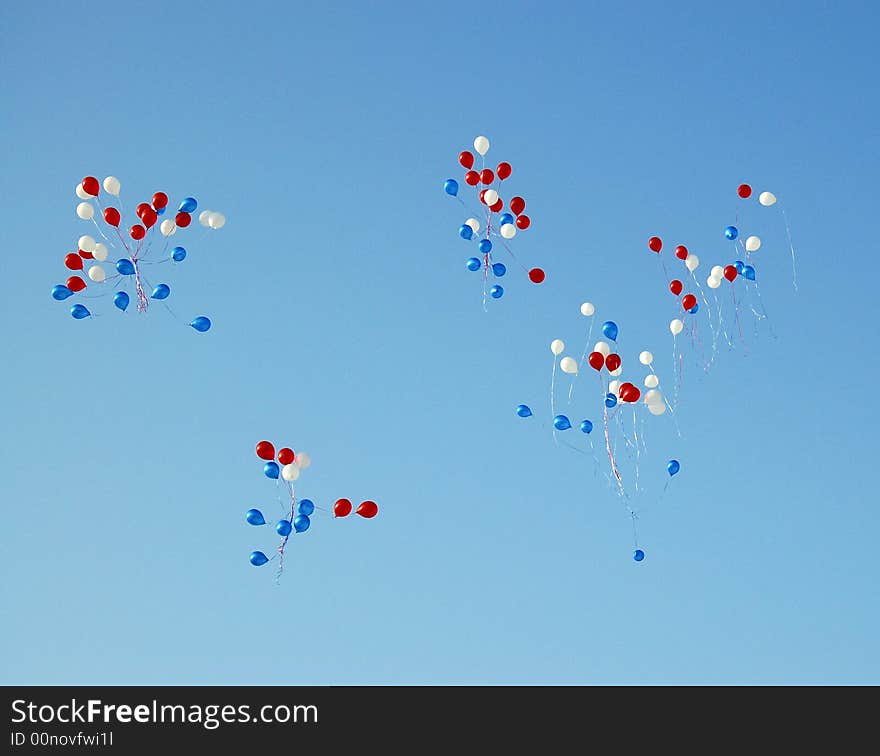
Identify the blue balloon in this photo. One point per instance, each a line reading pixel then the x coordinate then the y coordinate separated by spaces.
pixel 638 555
pixel 586 426
pixel 523 410
pixel 505 218
pixel 485 246
pixel 125 267
pixel 178 253
pixel 79 311
pixel 255 517
pixel 473 263
pixel 739 265
pixel 160 211
pixel 161 292
pixel 561 423
pixel 301 523
pixel 188 205
pixel 271 470
pixel 496 292
pixel 610 400
pixel 466 232
pixel 499 269
pixel 609 328
pixel 201 324
pixel 749 272
pixel 282 527
pixel 121 300
pixel 305 507
pixel 61 292
pixel 672 467
pixel 693 310
pixel 258 558
pixel 450 186
pixel 731 232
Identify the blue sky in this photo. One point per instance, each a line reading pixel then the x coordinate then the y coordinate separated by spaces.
pixel 345 324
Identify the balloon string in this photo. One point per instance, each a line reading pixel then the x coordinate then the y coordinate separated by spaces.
pixel 608 449
pixel 582 362
pixel 634 517
pixel 553 398
pixel 791 247
pixel 141 296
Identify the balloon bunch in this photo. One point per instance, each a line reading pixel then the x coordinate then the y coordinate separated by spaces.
pixel 499 225
pixel 295 514
pixel 140 249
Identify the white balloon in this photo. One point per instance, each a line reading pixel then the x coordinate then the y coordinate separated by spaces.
pixel 651 381
pixel 80 192
pixel 85 211
pixel 646 358
pixel 474 224
pixel 100 253
pixel 481 145
pixel 716 272
pixel 204 216
pixel 692 262
pixel 290 472
pixel 767 199
pixel 614 388
pixel 167 227
pixel 617 372
pixel 302 460
pixel 587 309
pixel 508 230
pixel 86 243
pixel 712 282
pixel 490 197
pixel 753 244
pixel 569 365
pixel 112 185
pixel 97 274
pixel 556 346
pixel 657 409
pixel 676 326
pixel 216 220
pixel 653 397
pixel 603 348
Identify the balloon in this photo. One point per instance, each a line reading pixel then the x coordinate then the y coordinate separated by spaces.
pixel 523 410
pixel 676 326
pixel 744 191
pixel 656 409
pixel 120 299
pixel 301 523
pixel 517 205
pixel 610 400
pixel 487 177
pixel 149 217
pixel 506 218
pixel 609 328
pixel 496 292
pixel 466 232
pixel 367 509
pixel 753 244
pixel 73 261
pixel 141 209
pixel 681 252
pixel 80 192
pixel 481 145
pixel 612 362
pixel 497 206
pixel 503 170
pixel 160 199
pixel 646 358
pixel 651 381
pixel 137 232
pixel 712 282
pixel 676 286
pixel 205 215
pixel 655 244
pixel 91 186
pixel 688 301
pixel 523 222
pixel 596 360
pixel 672 467
pixel 255 517
pixel 731 232
pixel 124 267
pixel 178 254
pixel 485 246
pixel 536 275
pixel 557 346
pixel 473 263
pixel 167 227
pixel 499 269
pixel 629 392
pixel 97 274
pixel 694 309
pixel 466 159
pixel 286 456
pixel 692 262
pixel 60 292
pixel 767 199
pixel 342 508
pixel 730 273
pixel 161 292
pixel 85 211
pixel 216 220
pixel 638 555
pixel 258 558
pixel 303 460
pixel 587 309
pixel 717 271
pixel 112 185
pixel 271 470
pixel 111 216
pixel 586 426
pixel 739 265
pixel 491 198
pixel 201 324
pixel 450 186
pixel 182 219
pixel 188 205
pixel 290 472
pixel 471 178
pixel 265 450
pixel 305 507
pixel 282 527
pixel 75 283
pixel 100 253
pixel 474 224
pixel 79 311
pixel 749 272
pixel 569 365
pixel 653 397
pixel 603 348
pixel 86 243
pixel 561 423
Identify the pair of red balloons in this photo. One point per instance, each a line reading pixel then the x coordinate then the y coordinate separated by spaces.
pixel 629 392
pixel 368 509
pixel 598 360
pixel 266 450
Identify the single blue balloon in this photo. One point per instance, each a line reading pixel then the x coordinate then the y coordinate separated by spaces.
pixel 301 523
pixel 178 253
pixel 496 292
pixel 523 410
pixel 125 267
pixel 188 205
pixel 255 517
pixel 485 246
pixel 693 310
pixel 79 311
pixel 505 218
pixel 271 470
pixel 561 423
pixel 201 324
pixel 466 232
pixel 473 263
pixel 258 558
pixel 305 507
pixel 121 300
pixel 610 400
pixel 749 272
pixel 609 328
pixel 740 266
pixel 161 292
pixel 731 232
pixel 586 426
pixel 450 186
pixel 160 211
pixel 60 292
pixel 672 467
pixel 638 555
pixel 282 527
pixel 499 269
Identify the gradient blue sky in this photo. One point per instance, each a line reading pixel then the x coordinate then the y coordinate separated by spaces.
pixel 345 324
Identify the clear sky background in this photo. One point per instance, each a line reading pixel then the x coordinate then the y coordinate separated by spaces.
pixel 345 324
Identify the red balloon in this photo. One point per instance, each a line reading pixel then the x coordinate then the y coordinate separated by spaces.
pixel 367 509
pixel 523 222
pixel 596 360
pixel 342 507
pixel 730 273
pixel 75 283
pixel 266 451
pixel 496 208
pixel 503 170
pixel 536 275
pixel 471 178
pixel 629 392
pixel 111 216
pixel 655 244
pixel 91 186
pixel 675 287
pixel 160 199
pixel 183 219
pixel 681 252
pixel 517 205
pixel 483 196
pixel 149 217
pixel 285 456
pixel 73 261
pixel 85 255
pixel 137 232
pixel 143 207
pixel 486 176
pixel 744 191
pixel 466 159
pixel 612 362
pixel 689 300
